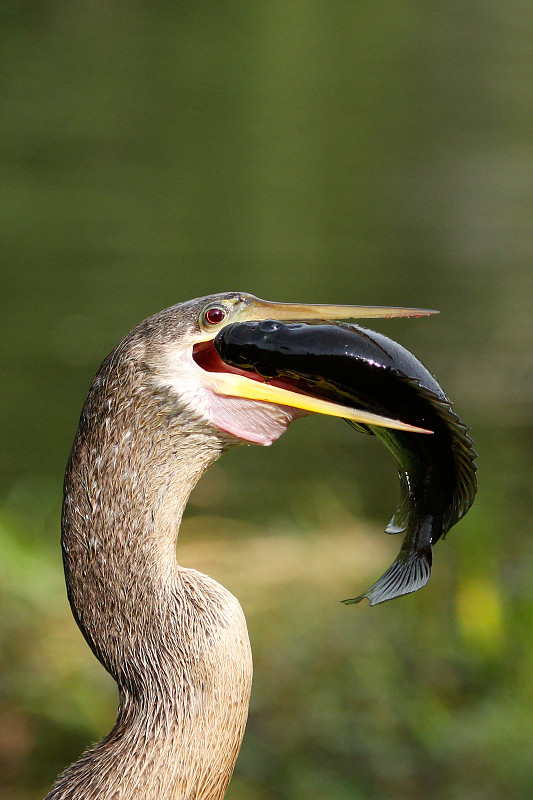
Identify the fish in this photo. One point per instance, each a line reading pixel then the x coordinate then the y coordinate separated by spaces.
pixel 365 370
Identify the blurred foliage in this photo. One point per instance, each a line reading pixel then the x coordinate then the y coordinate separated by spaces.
pixel 323 152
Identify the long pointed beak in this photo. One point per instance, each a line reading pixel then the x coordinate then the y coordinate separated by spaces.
pixel 264 309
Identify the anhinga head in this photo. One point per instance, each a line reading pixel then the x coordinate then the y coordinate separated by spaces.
pixel 181 358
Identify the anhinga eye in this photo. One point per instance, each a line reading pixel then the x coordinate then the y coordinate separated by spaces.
pixel 214 315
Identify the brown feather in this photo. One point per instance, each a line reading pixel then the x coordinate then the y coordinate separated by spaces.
pixel 174 640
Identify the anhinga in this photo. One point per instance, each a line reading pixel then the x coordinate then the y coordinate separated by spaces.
pixel 162 408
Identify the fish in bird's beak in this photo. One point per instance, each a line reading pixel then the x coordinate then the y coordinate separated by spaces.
pixel 379 387
pixel 246 308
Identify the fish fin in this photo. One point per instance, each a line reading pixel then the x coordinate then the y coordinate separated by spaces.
pixel 400 520
pixel 404 576
pixel 358 426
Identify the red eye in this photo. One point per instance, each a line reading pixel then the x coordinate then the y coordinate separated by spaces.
pixel 214 315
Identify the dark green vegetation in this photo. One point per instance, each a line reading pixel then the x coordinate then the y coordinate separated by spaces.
pixel 322 152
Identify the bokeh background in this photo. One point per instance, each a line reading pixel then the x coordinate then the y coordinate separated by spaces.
pixel 365 152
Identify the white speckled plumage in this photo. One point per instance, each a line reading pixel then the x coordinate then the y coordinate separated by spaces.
pixel 174 640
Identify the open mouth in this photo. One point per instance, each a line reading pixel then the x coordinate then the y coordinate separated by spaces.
pixel 307 394
pixel 207 358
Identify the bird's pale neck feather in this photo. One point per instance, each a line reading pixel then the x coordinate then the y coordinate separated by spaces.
pixel 174 639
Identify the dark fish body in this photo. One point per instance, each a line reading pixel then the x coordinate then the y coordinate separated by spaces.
pixel 365 370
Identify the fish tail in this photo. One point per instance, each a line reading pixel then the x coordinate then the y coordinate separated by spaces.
pixel 407 574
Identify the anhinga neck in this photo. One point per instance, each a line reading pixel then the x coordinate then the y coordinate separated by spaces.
pixel 174 640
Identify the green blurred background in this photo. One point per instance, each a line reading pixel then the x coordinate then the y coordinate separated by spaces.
pixel 358 152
